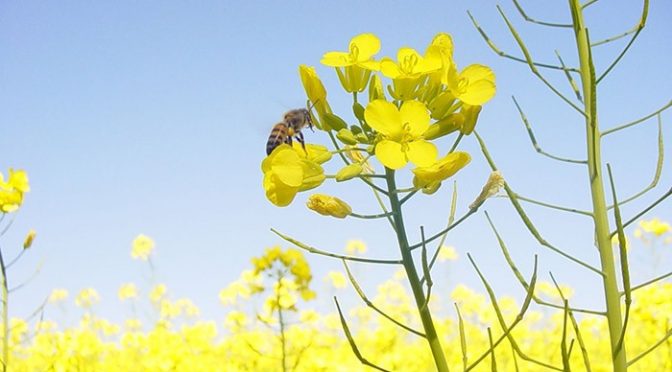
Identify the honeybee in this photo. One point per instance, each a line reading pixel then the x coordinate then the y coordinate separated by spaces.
pixel 290 127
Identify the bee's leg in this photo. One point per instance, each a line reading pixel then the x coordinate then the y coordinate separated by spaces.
pixel 299 137
pixel 289 141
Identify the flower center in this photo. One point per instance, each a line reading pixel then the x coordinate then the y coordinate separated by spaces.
pixel 354 53
pixel 407 65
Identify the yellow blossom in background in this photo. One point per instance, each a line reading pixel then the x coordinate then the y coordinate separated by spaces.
pixel 142 247
pixel 337 279
pixel 475 85
pixel 355 247
pixel 655 226
pixel 11 191
pixel 401 131
pixel 58 295
pixel 447 253
pixel 30 237
pixel 127 291
pixel 235 320
pixel 286 173
pixel 87 297
pixel 133 325
pixel 546 289
pixel 158 293
pixel 327 205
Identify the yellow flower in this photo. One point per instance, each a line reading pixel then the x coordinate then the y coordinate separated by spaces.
pixel 655 226
pixel 127 291
pixel 447 253
pixel 357 62
pixel 87 297
pixel 475 85
pixel 440 170
pixel 328 205
pixel 133 325
pixel 11 192
pixel 142 247
pixel 337 279
pixel 401 133
pixel 286 173
pixel 361 50
pixel 30 237
pixel 408 73
pixel 355 247
pixel 158 293
pixel 58 295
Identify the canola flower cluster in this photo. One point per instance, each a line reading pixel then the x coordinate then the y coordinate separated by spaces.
pixel 427 98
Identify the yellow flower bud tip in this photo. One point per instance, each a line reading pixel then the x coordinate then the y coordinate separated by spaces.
pixel 492 186
pixel 349 172
pixel 327 205
pixel 30 237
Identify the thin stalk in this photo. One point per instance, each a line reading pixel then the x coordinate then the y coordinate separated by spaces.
pixel 601 221
pixel 412 274
pixel 281 321
pixel 5 315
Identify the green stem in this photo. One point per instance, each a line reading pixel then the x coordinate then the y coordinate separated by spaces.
pixel 5 315
pixel 412 274
pixel 601 221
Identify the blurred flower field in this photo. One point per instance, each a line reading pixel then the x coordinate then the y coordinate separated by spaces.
pixel 252 339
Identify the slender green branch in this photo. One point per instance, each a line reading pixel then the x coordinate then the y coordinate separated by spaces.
pixel 500 317
pixel 656 174
pixel 27 281
pixel 521 279
pixel 529 19
pixel 553 206
pixel 533 139
pixel 353 345
pixel 426 273
pixel 15 259
pixel 463 337
pixel 575 325
pixel 563 343
pixel 345 160
pixel 370 304
pixel 507 331
pixel 334 255
pixel 639 27
pixel 645 210
pixel 588 3
pixel 649 282
pixel 451 218
pixel 640 120
pixel 457 142
pixel 446 230
pixel 410 195
pixel 521 212
pixel 533 68
pixel 5 313
pixel 653 347
pixel 9 224
pixel 493 360
pixel 625 271
pixel 570 78
pixel 370 216
pixel 500 53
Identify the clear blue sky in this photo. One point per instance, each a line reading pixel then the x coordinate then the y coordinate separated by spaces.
pixel 152 117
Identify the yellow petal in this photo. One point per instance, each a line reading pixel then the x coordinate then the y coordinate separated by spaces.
pixel 389 153
pixel 312 84
pixel 390 68
pixel 313 175
pixel 336 59
pixel 286 165
pixel 366 44
pixel 422 153
pixel 478 72
pixel 384 117
pixel 277 192
pixel 415 115
pixel 478 93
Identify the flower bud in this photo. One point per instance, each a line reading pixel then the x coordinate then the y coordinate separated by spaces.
pixel 444 126
pixel 28 242
pixel 348 172
pixel 376 89
pixel 470 114
pixel 328 205
pixel 346 136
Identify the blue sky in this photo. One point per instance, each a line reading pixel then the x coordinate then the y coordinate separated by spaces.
pixel 152 118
